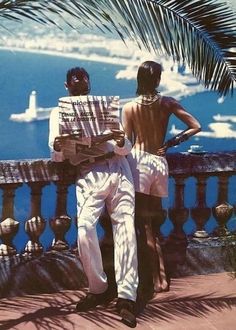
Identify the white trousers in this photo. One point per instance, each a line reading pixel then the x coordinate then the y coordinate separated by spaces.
pixel 108 183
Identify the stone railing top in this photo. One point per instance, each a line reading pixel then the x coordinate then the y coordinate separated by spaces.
pixel 44 170
pixel 34 170
pixel 208 163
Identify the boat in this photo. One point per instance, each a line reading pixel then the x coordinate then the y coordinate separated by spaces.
pixel 33 112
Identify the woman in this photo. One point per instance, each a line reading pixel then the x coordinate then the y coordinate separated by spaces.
pixel 145 121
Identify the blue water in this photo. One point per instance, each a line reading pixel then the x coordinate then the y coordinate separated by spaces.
pixel 23 72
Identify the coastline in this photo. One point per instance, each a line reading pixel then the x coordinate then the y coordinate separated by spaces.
pixel 176 85
pixel 93 57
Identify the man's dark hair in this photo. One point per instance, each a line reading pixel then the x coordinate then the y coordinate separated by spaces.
pixel 77 72
pixel 148 74
pixel 77 80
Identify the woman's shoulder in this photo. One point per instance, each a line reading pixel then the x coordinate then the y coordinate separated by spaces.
pixel 129 105
pixel 169 102
pixel 168 99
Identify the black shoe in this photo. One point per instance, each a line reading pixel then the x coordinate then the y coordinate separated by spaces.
pixel 126 309
pixel 91 300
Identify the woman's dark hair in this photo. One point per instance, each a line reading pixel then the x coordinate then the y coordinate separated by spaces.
pixel 78 81
pixel 148 74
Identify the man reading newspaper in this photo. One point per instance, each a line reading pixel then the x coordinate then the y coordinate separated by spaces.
pixel 86 130
pixel 85 122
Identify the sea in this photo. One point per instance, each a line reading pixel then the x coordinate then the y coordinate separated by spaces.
pixel 22 72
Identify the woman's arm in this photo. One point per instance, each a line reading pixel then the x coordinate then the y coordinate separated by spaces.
pixel 193 127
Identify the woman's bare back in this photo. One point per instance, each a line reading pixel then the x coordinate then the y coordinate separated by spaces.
pixel 146 123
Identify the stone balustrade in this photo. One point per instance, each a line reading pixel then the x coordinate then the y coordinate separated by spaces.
pixel 196 225
pixel 37 174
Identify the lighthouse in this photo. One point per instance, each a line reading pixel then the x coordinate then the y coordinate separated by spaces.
pixel 32 109
pixel 33 112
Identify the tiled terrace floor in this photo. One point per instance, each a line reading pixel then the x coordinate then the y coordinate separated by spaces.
pixel 206 302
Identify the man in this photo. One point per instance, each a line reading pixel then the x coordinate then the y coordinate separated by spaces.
pixel 105 182
pixel 145 121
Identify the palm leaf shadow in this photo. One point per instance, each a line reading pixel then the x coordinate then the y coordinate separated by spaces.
pixel 193 305
pixel 49 273
pixel 58 312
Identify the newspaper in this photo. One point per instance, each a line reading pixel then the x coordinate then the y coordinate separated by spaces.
pixel 85 122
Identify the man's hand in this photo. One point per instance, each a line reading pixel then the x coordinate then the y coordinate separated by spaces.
pixel 119 137
pixel 58 142
pixel 162 150
pixel 101 138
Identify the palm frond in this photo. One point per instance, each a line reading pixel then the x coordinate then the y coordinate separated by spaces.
pixel 20 9
pixel 200 33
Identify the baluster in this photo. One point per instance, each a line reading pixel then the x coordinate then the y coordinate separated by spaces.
pixel 223 189
pixel 35 226
pixel 223 210
pixel 160 217
pixel 8 226
pixel 62 222
pixel 179 214
pixel 200 213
